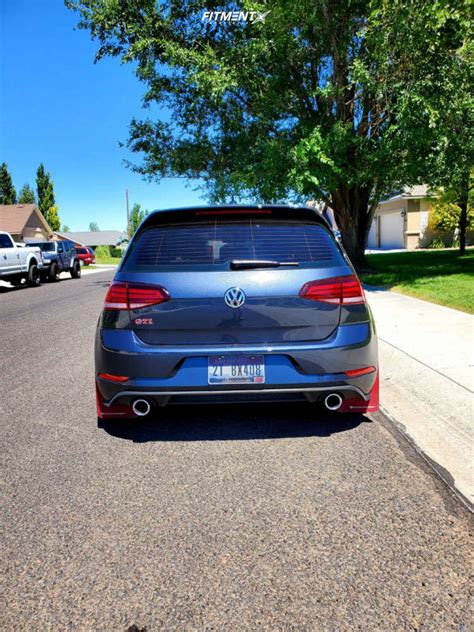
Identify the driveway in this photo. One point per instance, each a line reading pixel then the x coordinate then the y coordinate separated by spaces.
pixel 237 518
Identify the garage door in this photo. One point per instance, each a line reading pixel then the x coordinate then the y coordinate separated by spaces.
pixel 372 241
pixel 392 230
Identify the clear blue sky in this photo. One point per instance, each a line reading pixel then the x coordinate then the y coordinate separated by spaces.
pixel 59 108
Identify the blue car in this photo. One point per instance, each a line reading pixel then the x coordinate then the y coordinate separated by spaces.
pixel 230 303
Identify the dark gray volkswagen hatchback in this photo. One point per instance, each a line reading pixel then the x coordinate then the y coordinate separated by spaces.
pixel 212 303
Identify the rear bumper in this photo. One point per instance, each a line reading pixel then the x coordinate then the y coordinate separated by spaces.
pixel 163 374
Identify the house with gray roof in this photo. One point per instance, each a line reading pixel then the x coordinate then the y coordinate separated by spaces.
pixel 94 238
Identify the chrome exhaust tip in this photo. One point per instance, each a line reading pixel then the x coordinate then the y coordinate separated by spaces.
pixel 333 401
pixel 141 407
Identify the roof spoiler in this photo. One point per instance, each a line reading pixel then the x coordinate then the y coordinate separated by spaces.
pixel 233 211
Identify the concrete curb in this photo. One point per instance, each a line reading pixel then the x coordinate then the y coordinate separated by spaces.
pixel 426 381
pixel 103 265
pixel 436 470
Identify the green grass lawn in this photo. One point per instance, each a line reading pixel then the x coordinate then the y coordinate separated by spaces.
pixel 108 260
pixel 439 276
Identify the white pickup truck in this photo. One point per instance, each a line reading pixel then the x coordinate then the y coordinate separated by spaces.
pixel 19 262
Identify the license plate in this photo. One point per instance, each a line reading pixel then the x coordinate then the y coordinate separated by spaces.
pixel 236 369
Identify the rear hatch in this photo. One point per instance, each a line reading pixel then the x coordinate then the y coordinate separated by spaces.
pixel 232 277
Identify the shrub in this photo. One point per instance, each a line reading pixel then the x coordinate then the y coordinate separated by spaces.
pixel 446 212
pixel 436 243
pixel 102 252
pixel 116 252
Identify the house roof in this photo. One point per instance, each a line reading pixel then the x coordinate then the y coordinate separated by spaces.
pixel 420 190
pixel 408 193
pixel 95 237
pixel 14 217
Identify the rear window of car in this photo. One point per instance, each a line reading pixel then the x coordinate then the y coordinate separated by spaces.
pixel 82 251
pixel 45 247
pixel 218 242
pixel 5 242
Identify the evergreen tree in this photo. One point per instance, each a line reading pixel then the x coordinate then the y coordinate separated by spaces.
pixel 94 227
pixel 7 190
pixel 45 190
pixel 65 228
pixel 26 195
pixel 137 215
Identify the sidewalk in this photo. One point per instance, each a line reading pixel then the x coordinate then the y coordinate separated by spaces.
pixel 427 379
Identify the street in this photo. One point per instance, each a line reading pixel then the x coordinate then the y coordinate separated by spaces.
pixel 244 517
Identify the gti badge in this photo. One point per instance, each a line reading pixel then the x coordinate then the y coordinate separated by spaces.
pixel 234 297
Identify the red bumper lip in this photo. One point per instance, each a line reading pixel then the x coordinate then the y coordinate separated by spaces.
pixel 114 411
pixel 356 405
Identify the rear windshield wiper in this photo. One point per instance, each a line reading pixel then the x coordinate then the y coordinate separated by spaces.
pixel 249 264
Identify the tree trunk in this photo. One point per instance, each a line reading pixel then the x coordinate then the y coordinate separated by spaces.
pixel 463 201
pixel 462 227
pixel 353 217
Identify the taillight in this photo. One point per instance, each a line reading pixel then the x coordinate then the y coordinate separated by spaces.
pixel 117 297
pixel 352 291
pixel 344 290
pixel 134 295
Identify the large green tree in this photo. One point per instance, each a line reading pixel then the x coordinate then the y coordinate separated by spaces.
pixel 337 101
pixel 26 195
pixel 137 215
pixel 45 191
pixel 7 190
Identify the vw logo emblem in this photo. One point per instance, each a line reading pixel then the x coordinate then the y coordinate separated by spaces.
pixel 234 297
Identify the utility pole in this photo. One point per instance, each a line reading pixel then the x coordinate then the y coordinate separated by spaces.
pixel 128 213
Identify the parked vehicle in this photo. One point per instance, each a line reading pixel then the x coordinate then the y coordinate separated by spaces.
pixel 58 256
pixel 85 255
pixel 214 303
pixel 19 261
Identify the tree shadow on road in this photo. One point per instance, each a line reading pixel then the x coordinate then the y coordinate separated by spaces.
pixel 5 289
pixel 233 423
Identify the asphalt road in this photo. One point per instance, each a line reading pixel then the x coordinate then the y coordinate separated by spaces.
pixel 208 518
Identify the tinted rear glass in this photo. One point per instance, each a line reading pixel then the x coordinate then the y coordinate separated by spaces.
pixel 5 241
pixel 219 242
pixel 82 251
pixel 45 247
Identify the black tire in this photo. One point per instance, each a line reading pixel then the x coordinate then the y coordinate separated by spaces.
pixel 54 273
pixel 33 279
pixel 76 270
